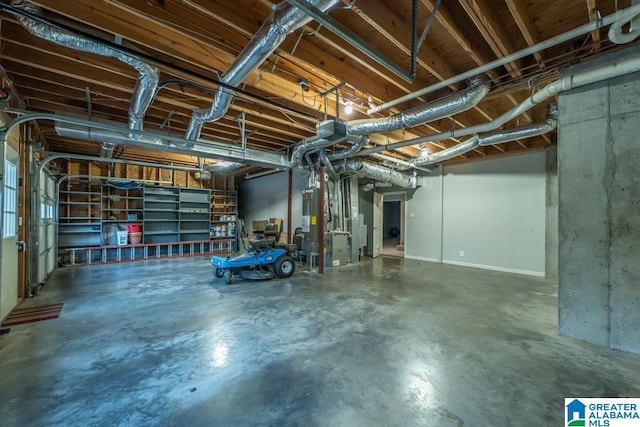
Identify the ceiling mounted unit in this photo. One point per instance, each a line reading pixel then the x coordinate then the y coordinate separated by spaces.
pixel 203 175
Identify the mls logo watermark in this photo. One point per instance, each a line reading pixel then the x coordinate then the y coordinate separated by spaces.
pixel 601 412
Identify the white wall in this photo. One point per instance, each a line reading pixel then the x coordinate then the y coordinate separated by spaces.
pixel 490 214
pixel 424 220
pixel 266 197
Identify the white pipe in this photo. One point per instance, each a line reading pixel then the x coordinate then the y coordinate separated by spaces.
pixel 615 69
pixel 624 14
pixel 618 37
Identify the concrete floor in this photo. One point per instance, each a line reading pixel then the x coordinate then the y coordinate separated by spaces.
pixel 387 342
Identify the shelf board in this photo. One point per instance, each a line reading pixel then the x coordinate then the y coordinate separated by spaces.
pixel 80 192
pixel 79 224
pixel 160 210
pixel 159 233
pixel 63 218
pixel 202 231
pixel 79 203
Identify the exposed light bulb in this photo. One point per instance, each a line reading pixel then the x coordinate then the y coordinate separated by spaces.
pixel 348 107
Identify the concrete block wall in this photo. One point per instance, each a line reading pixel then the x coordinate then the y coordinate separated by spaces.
pixel 599 211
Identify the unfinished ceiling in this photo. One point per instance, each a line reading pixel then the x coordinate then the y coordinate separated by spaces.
pixel 193 43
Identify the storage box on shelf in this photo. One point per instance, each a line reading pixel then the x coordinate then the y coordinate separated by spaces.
pixel 224 216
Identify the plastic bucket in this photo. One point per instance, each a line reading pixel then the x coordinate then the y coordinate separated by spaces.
pixel 135 238
pixel 133 228
pixel 122 238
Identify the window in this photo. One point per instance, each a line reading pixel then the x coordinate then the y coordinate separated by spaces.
pixel 10 199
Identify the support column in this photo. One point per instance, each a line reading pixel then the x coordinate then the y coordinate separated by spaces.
pixel 599 211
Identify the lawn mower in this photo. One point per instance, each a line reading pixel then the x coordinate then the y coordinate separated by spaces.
pixel 264 258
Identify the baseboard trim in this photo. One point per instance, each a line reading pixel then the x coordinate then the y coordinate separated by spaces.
pixel 419 258
pixel 495 268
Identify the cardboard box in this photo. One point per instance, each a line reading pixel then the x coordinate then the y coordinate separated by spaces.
pixel 278 222
pixel 258 225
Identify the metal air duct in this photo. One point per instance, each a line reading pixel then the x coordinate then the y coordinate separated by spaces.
pixel 377 172
pixel 522 132
pixel 447 106
pixel 223 167
pixel 359 142
pixel 113 134
pixel 148 75
pixel 283 20
pixel 493 138
pixel 623 64
pixel 322 155
pixel 448 153
pixel 327 133
pixel 106 150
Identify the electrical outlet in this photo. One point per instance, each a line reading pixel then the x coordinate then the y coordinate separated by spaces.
pixel 461 253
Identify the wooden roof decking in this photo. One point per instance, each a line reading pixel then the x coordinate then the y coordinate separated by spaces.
pixel 197 40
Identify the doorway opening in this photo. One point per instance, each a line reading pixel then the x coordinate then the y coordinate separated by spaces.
pixel 393 226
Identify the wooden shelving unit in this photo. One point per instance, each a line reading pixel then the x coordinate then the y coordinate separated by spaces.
pixel 224 217
pixel 120 207
pixel 175 221
pixel 79 221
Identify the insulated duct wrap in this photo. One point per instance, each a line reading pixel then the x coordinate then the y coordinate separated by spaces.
pixel 447 106
pixel 348 152
pixel 377 172
pixel 114 134
pixel 148 75
pixel 496 137
pixel 307 145
pixel 223 167
pixel 283 20
pixel 449 153
pixel 534 129
pixel 328 166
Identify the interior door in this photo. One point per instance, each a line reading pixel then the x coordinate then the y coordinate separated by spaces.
pixel 9 261
pixel 378 205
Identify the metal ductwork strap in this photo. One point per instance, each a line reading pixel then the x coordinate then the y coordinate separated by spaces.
pixel 445 107
pixel 284 20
